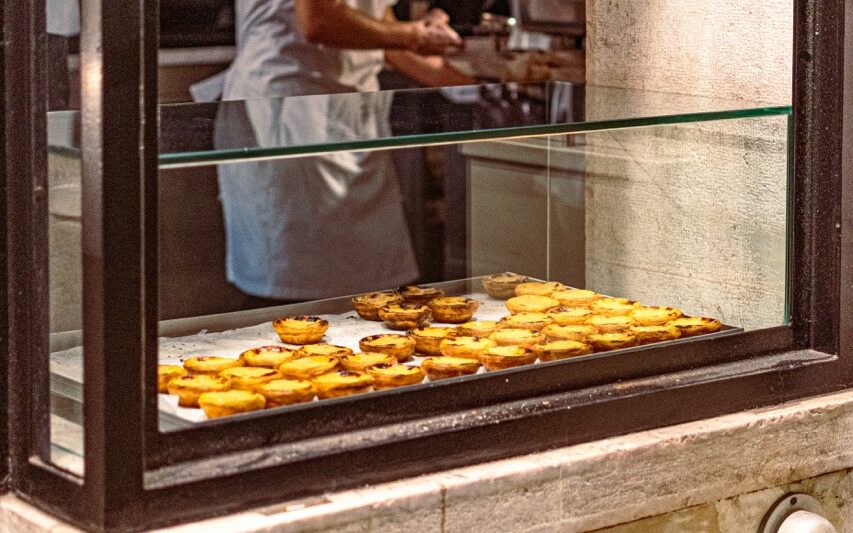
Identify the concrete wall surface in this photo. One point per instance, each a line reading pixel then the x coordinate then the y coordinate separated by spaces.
pixel 692 215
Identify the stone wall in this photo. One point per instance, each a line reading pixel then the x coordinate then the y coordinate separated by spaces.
pixel 691 215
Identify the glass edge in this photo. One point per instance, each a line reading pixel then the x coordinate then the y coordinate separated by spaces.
pixel 186 159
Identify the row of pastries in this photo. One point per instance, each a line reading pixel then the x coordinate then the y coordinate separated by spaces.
pixel 546 321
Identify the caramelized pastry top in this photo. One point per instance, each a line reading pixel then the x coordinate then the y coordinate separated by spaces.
pixel 614 306
pixel 302 322
pixel 267 356
pixel 332 350
pixel 575 297
pixel 209 364
pixel 538 288
pixel 654 316
pixel 531 303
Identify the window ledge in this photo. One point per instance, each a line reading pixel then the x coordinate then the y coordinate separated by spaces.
pixel 576 488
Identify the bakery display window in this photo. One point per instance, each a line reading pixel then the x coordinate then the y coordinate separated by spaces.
pixel 597 261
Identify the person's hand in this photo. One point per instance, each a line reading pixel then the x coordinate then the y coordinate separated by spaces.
pixel 432 34
pixel 437 15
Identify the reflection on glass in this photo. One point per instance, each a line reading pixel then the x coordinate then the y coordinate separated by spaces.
pixel 684 215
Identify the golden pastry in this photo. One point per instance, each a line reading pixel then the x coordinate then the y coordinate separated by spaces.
pixel 359 362
pixel 330 350
pixel 249 378
pixel 574 332
pixel 308 367
pixel 404 316
pixel 695 325
pixel 567 316
pixel 449 367
pixel 232 402
pixel 575 297
pixel 649 334
pixel 367 305
pixel 287 392
pixel 301 329
pixel 561 349
pixel 400 346
pixel 165 374
pixel 654 316
pixel 415 294
pixel 517 337
pixel 428 339
pixel 500 357
pixel 530 303
pixel 388 376
pixel 189 388
pixel 610 324
pixel 342 383
pixel 477 328
pixel 539 288
pixel 268 356
pixel 502 286
pixel 601 342
pixel 452 309
pixel 210 365
pixel 614 306
pixel 465 347
pixel 526 320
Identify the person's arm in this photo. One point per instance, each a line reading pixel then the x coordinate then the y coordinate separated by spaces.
pixel 333 23
pixel 429 70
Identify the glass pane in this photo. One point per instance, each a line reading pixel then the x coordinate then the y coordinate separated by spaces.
pixel 687 220
pixel 65 231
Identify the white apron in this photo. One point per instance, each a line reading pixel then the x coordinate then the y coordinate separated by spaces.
pixel 310 227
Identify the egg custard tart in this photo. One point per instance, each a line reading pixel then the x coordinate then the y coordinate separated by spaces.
pixel 538 288
pixel 189 388
pixel 654 316
pixel 359 362
pixel 232 402
pixel 465 347
pixel 287 392
pixel 502 286
pixel 331 350
pixel 614 306
pixel 452 309
pixel 404 316
pixel 210 365
pixel 449 367
pixel 342 383
pixel 531 303
pixel 249 378
pixel 526 320
pixel 649 334
pixel 428 339
pixel 574 332
pixel 562 349
pixel 517 337
pixel 601 342
pixel 610 324
pixel 367 305
pixel 500 357
pixel 165 374
pixel 268 356
pixel 568 316
pixel 477 328
pixel 695 325
pixel 301 329
pixel 400 346
pixel 415 294
pixel 308 367
pixel 575 297
pixel 389 376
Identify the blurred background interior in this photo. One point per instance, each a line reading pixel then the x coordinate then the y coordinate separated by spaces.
pixel 505 41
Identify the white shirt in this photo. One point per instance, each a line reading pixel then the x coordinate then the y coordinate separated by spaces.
pixel 319 226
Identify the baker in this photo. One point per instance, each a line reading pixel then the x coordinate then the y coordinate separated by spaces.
pixel 332 224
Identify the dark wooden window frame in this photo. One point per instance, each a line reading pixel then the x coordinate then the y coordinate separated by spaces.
pixel 137 477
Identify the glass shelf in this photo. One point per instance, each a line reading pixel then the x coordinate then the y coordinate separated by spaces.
pixel 208 133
